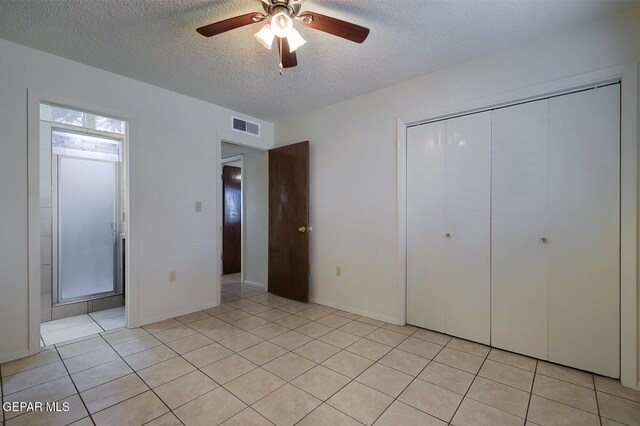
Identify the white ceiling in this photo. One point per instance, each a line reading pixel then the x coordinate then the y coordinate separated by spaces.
pixel 155 41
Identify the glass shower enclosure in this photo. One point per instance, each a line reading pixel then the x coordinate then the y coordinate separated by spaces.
pixel 86 186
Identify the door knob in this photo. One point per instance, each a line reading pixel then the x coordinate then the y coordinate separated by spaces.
pixel 544 240
pixel 302 229
pixel 447 235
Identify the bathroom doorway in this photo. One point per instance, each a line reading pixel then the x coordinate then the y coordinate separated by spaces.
pixel 82 223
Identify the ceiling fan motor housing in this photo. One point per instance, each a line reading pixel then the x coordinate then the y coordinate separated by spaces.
pixel 291 8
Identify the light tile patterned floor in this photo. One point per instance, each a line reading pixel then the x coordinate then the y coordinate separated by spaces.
pixel 259 359
pixel 65 329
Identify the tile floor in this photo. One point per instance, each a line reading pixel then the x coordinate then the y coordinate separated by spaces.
pixel 259 359
pixel 62 330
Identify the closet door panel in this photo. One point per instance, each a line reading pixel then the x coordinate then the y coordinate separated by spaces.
pixel 584 191
pixel 468 204
pixel 519 222
pixel 425 226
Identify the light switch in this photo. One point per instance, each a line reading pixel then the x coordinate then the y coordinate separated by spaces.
pixel 198 206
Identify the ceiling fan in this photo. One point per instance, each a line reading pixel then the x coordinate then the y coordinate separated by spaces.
pixel 281 15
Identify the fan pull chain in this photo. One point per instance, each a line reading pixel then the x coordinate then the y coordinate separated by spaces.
pixel 280 71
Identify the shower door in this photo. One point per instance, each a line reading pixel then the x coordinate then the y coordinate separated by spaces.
pixel 87 187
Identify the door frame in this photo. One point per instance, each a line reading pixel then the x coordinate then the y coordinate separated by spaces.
pixel 226 162
pixel 628 76
pixel 34 99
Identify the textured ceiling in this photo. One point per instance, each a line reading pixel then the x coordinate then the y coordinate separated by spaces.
pixel 155 41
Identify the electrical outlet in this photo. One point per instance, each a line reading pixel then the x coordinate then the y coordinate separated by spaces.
pixel 338 271
pixel 172 276
pixel 198 206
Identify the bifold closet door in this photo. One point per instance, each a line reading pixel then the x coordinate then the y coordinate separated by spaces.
pixel 448 226
pixel 584 230
pixel 468 227
pixel 519 228
pixel 425 226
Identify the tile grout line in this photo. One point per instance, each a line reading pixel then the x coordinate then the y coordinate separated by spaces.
pixel 566 405
pixel 566 381
pixel 533 382
pixel 618 395
pixel 595 391
pixel 510 365
pixel 469 388
pixel 75 387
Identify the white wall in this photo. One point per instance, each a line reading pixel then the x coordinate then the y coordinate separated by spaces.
pixel 173 161
pixel 353 160
pixel 255 190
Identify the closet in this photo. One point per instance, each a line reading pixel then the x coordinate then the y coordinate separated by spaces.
pixel 540 203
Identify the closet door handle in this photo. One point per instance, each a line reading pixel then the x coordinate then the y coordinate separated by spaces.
pixel 447 235
pixel 544 240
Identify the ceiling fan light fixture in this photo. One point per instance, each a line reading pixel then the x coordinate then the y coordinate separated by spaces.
pixel 265 36
pixel 279 16
pixel 281 24
pixel 295 40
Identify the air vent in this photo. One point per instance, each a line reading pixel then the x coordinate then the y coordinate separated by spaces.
pixel 246 126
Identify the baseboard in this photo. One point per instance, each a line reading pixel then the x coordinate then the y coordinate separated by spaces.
pixel 255 284
pixel 162 317
pixel 14 355
pixel 357 311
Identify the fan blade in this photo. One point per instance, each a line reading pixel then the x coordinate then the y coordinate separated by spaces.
pixel 334 26
pixel 287 59
pixel 230 24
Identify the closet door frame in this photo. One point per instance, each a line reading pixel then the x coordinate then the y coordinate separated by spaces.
pixel 627 75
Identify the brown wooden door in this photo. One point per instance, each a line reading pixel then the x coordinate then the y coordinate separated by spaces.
pixel 231 229
pixel 288 221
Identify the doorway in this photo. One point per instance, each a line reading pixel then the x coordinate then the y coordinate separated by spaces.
pixel 81 221
pixel 232 201
pixel 274 253
pixel 243 230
